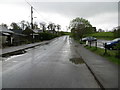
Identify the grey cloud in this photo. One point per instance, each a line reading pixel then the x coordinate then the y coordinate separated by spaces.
pixel 73 9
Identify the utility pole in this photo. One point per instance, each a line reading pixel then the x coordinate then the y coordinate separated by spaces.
pixel 31 17
pixel 32 23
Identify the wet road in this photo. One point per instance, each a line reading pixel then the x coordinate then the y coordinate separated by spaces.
pixel 47 66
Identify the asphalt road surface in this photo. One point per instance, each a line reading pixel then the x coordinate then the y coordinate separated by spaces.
pixel 47 66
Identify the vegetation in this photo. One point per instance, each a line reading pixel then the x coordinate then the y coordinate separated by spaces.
pixel 103 35
pixel 15 25
pixel 43 25
pixel 117 32
pixel 51 27
pixel 4 25
pixel 46 36
pixel 106 35
pixel 111 54
pixel 25 35
pixel 79 27
pixel 64 33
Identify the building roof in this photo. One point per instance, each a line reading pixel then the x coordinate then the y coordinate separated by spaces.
pixel 18 32
pixel 5 30
pixel 37 30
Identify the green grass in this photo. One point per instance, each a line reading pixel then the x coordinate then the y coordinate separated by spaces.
pixel 103 35
pixel 111 54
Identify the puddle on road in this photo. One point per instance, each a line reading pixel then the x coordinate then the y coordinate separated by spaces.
pixel 77 60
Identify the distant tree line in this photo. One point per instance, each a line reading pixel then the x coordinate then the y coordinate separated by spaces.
pixel 26 25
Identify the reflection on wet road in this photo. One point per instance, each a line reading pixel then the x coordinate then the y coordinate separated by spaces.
pixel 55 65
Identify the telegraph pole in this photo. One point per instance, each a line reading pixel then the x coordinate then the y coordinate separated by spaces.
pixel 32 23
pixel 31 17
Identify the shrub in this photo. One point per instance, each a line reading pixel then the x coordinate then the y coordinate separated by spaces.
pixel 46 36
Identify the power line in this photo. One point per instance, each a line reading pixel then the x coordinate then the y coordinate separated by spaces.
pixel 37 11
pixel 41 15
pixel 28 3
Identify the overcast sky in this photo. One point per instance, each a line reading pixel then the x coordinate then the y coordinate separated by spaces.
pixel 100 14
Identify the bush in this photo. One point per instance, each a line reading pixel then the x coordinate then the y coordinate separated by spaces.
pixel 117 47
pixel 46 36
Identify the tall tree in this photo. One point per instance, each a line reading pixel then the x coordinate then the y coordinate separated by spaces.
pixel 35 25
pixel 28 31
pixel 117 32
pixel 51 26
pixel 4 25
pixel 43 24
pixel 54 27
pixel 100 30
pixel 23 24
pixel 58 27
pixel 28 24
pixel 78 26
pixel 15 26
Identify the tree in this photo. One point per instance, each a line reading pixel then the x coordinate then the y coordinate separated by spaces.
pixel 4 25
pixel 79 21
pixel 15 26
pixel 23 24
pixel 28 24
pixel 28 31
pixel 78 27
pixel 43 24
pixel 35 25
pixel 52 27
pixel 117 32
pixel 100 30
pixel 58 27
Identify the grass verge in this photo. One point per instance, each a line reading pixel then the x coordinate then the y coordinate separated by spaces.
pixel 111 54
pixel 103 35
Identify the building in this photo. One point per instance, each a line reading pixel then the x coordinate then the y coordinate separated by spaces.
pixel 6 36
pixel 38 31
pixel 18 37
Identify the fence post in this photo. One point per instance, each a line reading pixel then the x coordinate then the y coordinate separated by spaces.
pixel 105 48
pixel 96 44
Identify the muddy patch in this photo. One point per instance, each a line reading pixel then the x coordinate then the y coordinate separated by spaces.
pixel 77 60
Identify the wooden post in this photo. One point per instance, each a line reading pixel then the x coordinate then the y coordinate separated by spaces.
pixel 105 49
pixel 32 24
pixel 96 44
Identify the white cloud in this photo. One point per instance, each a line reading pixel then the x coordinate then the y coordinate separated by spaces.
pixel 102 15
pixel 105 21
pixel 11 12
pixel 61 0
pixel 55 18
